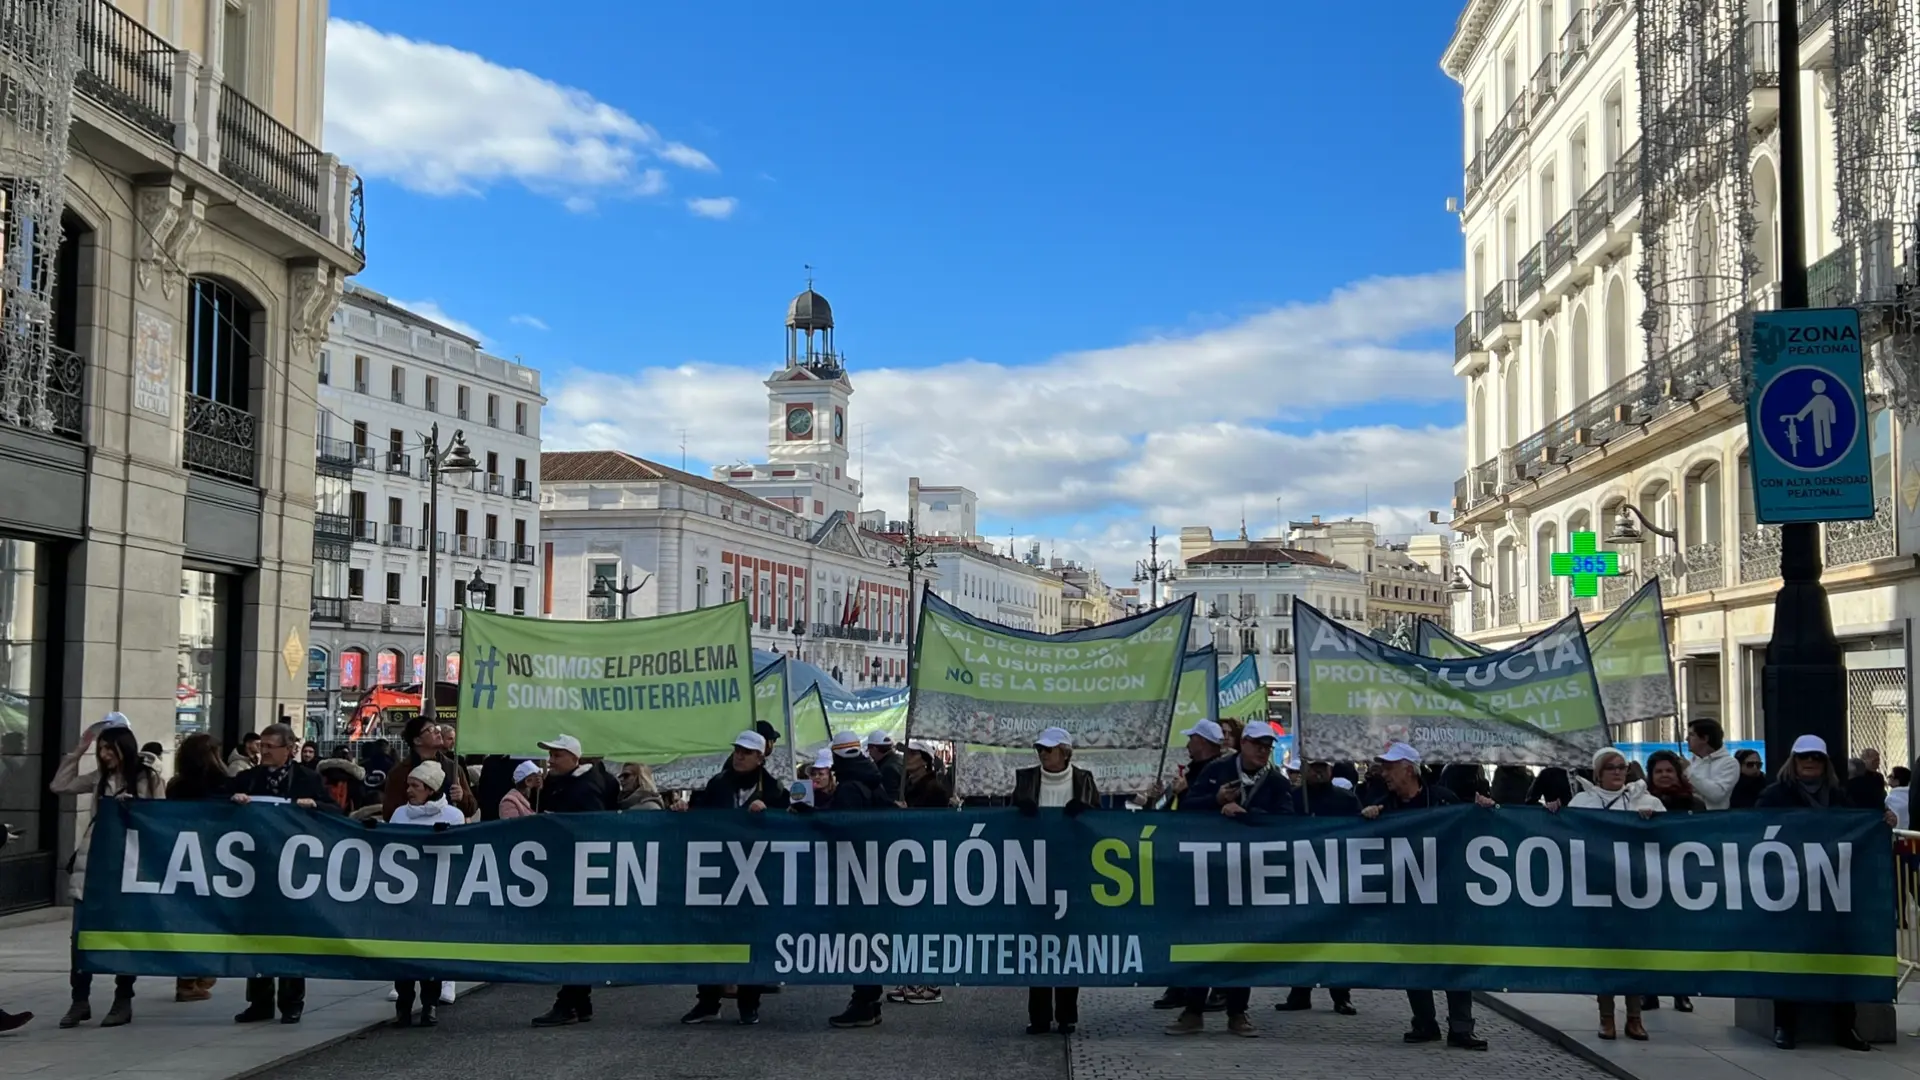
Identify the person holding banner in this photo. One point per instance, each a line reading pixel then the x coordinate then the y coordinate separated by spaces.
pixel 280 779
pixel 857 786
pixel 1243 783
pixel 1321 795
pixel 573 787
pixel 517 802
pixel 745 784
pixel 424 808
pixel 1407 793
pixel 1054 784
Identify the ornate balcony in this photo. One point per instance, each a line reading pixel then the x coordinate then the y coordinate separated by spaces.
pixel 1573 43
pixel 1500 312
pixel 1548 599
pixel 1466 336
pixel 1507 133
pixel 497 549
pixel 366 532
pixel 523 553
pixel 221 440
pixel 1508 607
pixel 1559 244
pixel 264 156
pixel 401 536
pixel 1615 590
pixel 332 527
pixel 337 452
pixel 1529 270
pixel 1476 175
pixel 1813 15
pixel 523 489
pixel 60 412
pixel 1849 542
pixel 1759 554
pixel 1704 568
pixel 123 66
pixel 329 609
pixel 1546 79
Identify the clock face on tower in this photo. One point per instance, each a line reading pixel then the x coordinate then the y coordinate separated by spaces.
pixel 839 426
pixel 799 422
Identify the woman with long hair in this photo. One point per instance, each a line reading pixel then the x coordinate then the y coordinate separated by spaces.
pixel 199 773
pixel 119 773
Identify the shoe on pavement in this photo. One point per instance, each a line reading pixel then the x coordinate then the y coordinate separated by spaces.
pixel 120 1014
pixel 429 1017
pixel 1068 1029
pixel 447 993
pixel 749 1017
pixel 1293 1005
pixel 1784 1039
pixel 78 1013
pixel 1345 1008
pixel 701 1014
pixel 1239 1024
pixel 1466 1042
pixel 556 1017
pixel 13 1021
pixel 1851 1040
pixel 291 1016
pixel 1683 1004
pixel 1172 999
pixel 255 1014
pixel 856 1016
pixel 924 995
pixel 898 995
pixel 1422 1035
pixel 393 995
pixel 1187 1023
pixel 1038 1029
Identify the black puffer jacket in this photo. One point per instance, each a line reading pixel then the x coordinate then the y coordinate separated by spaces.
pixel 723 791
pixel 586 790
pixel 859 786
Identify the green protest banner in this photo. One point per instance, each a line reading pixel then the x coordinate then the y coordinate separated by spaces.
pixel 1113 685
pixel 1243 696
pixel 1629 656
pixel 1534 704
pixel 988 770
pixel 691 772
pixel 628 689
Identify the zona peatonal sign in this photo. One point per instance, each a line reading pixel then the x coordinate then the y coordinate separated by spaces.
pixel 1807 418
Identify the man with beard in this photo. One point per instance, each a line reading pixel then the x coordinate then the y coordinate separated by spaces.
pixel 857 786
pixel 1320 796
pixel 745 784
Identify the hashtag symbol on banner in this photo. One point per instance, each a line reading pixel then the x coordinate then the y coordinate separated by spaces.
pixel 483 678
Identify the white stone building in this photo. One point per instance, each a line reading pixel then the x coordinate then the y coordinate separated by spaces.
pixel 1565 425
pixel 387 375
pixel 1244 597
pixel 829 594
pixel 155 530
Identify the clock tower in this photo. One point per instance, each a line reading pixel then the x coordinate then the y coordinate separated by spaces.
pixel 807 469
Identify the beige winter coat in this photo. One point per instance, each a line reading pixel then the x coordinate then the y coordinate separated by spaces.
pixel 69 780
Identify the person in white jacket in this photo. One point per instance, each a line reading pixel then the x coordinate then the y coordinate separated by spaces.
pixel 1609 790
pixel 425 807
pixel 1714 771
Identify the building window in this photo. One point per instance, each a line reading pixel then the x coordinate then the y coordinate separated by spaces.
pixel 493 410
pixel 359 374
pixel 700 587
pixel 222 360
pixel 520 417
pixel 326 368
pixel 356 584
pixel 519 599
pixel 397 384
pixel 463 401
pixel 393 588
pixel 433 394
pixel 726 587
pixel 459 592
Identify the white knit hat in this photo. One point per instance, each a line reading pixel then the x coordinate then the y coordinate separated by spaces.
pixel 430 775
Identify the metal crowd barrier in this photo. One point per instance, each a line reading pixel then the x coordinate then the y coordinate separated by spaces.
pixel 1906 876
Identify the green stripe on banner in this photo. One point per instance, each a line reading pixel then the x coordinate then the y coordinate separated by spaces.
pixel 374 948
pixel 1527 956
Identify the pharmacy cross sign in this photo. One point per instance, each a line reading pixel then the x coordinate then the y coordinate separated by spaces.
pixel 1585 564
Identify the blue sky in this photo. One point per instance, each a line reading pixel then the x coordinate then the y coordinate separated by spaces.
pixel 1109 266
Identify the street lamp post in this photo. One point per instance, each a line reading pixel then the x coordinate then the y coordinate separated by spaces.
pixel 916 557
pixel 605 590
pixel 457 460
pixel 1151 571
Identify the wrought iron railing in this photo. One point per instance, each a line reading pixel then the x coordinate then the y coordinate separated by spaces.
pixel 1476 175
pixel 220 440
pixel 264 156
pixel 1759 554
pixel 329 609
pixel 1501 305
pixel 1559 244
pixel 1466 335
pixel 333 451
pixel 1595 209
pixel 1849 542
pixel 523 553
pixel 1813 15
pixel 1704 568
pixel 397 462
pixel 1573 43
pixel 1615 590
pixel 1479 613
pixel 1548 599
pixel 1508 607
pixel 467 545
pixel 357 218
pixel 1830 281
pixel 366 531
pixel 1506 134
pixel 125 67
pixel 497 549
pixel 66 382
pixel 1529 271
pixel 523 489
pixel 1604 11
pixel 400 536
pixel 333 526
pixel 1546 79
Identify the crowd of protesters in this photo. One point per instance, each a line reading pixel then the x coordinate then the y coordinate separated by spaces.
pixel 1230 770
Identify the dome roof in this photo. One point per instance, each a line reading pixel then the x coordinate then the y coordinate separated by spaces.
pixel 809 311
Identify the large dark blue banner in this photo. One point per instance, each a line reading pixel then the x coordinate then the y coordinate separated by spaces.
pixel 1789 905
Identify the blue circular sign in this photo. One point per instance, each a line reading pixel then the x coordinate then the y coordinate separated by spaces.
pixel 1808 418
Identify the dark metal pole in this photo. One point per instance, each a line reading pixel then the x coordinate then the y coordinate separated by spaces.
pixel 1804 686
pixel 626 594
pixel 433 575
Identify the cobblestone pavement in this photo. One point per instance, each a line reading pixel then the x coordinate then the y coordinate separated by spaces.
pixel 636 1035
pixel 1121 1038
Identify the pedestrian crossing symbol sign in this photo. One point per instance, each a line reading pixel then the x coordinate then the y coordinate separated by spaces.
pixel 1586 564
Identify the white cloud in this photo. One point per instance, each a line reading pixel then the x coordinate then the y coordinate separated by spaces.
pixel 444 121
pixel 531 322
pixel 1174 430
pixel 430 309
pixel 719 209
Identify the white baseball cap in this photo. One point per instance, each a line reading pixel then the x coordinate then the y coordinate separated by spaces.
pixel 846 744
pixel 1259 729
pixel 751 740
pixel 1810 744
pixel 823 760
pixel 1343 783
pixel 1053 736
pixel 879 738
pixel 1399 752
pixel 524 770
pixel 562 742
pixel 1207 730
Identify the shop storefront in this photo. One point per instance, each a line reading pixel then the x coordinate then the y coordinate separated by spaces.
pixel 30 730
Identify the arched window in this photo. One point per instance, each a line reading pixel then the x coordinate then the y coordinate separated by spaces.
pixel 1478 421
pixel 1545 542
pixel 1510 395
pixel 1766 216
pixel 1549 380
pixel 220 344
pixel 1581 387
pixel 1616 332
